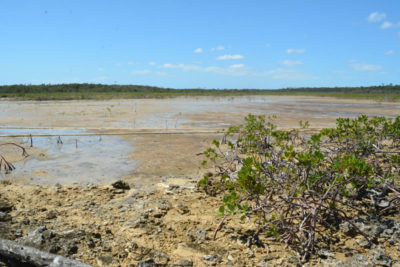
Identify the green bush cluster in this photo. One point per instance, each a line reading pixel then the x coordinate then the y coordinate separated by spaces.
pixel 295 185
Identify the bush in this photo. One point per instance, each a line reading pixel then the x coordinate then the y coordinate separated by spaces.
pixel 296 186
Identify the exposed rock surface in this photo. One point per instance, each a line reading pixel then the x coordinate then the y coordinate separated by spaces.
pixel 167 225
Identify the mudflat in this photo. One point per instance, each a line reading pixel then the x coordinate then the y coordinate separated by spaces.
pixel 145 139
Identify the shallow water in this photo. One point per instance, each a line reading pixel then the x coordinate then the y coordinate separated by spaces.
pixel 79 159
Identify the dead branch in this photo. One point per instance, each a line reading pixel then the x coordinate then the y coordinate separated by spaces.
pixel 14 254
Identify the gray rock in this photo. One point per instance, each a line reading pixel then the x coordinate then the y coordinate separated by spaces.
pixel 387 233
pixel 137 222
pixel 37 237
pixel 4 217
pixel 363 242
pixel 147 263
pixel 90 242
pixel 264 261
pixel 198 235
pixel 184 263
pixel 331 263
pixel 160 258
pixel 358 261
pixel 70 247
pixel 163 204
pixel 323 253
pixel 348 229
pixel 212 257
pixel 379 257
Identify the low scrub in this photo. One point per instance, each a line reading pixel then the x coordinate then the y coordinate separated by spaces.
pixel 298 186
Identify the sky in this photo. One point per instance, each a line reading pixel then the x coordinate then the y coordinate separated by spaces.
pixel 201 44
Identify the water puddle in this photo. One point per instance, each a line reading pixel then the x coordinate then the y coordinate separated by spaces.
pixel 72 158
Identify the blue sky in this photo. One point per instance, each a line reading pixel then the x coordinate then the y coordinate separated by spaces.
pixel 201 44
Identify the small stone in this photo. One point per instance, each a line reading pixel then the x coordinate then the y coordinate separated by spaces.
pixel 160 258
pixel 184 263
pixel 90 243
pixel 182 209
pixel 383 203
pixel 198 235
pixel 121 185
pixel 70 248
pixel 147 263
pixel 5 206
pixel 347 229
pixel 363 242
pixel 54 249
pixel 331 263
pixel 264 261
pixel 212 257
pixel 34 238
pixel 323 253
pixel 51 215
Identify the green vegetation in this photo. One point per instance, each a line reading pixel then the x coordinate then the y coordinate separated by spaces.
pixel 299 188
pixel 102 91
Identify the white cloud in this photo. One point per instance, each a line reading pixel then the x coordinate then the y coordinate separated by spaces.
pixel 181 66
pixel 228 57
pixel 268 45
pixel 168 66
pixel 295 51
pixel 365 67
pixel 290 63
pixel 152 63
pixel 386 25
pixel 130 63
pixel 218 48
pixel 141 72
pixel 376 17
pixel 237 66
pixel 100 69
pixel 198 50
pixel 390 52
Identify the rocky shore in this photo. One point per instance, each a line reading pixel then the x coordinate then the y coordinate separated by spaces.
pixel 168 224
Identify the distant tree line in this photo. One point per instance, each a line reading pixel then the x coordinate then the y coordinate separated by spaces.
pixel 385 89
pixel 89 90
